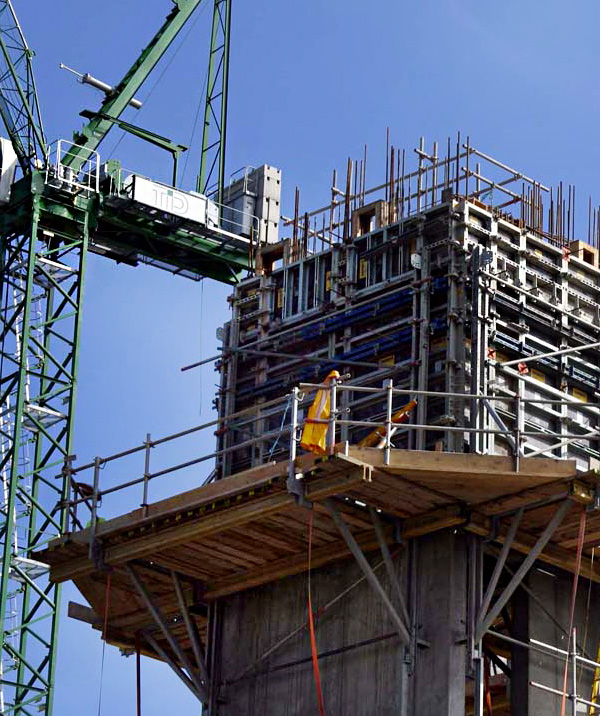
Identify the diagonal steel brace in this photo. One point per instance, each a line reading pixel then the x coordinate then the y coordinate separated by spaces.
pixel 159 618
pixel 486 622
pixel 367 569
pixel 191 630
pixel 389 565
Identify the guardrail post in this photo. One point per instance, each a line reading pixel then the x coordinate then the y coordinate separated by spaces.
pixel 294 424
pixel 148 445
pixel 292 485
pixel 69 506
pixel 574 675
pixel 389 386
pixel 518 420
pixel 94 521
pixel 332 415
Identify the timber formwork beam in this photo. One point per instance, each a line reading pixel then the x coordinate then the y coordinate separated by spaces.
pixel 247 531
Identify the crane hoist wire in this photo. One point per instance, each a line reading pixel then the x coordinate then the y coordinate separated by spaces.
pixel 162 74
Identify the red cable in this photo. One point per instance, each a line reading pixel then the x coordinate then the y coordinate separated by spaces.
pixel 486 682
pixel 138 673
pixel 582 521
pixel 313 641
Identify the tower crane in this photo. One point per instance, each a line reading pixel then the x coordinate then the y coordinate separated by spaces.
pixel 65 203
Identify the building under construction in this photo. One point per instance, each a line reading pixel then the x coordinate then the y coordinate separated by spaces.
pixel 441 563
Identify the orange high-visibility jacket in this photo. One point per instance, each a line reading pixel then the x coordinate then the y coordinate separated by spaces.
pixel 314 435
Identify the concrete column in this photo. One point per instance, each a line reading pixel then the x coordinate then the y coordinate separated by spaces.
pixel 438 682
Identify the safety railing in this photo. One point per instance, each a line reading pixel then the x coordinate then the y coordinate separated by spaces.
pixel 58 172
pixel 515 436
pixel 273 431
pixel 217 216
pixel 91 486
pixel 573 661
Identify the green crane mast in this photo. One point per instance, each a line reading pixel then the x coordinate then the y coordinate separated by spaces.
pixel 60 209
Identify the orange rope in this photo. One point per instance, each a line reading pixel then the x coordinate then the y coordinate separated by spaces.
pixel 582 521
pixel 486 684
pixel 138 673
pixel 313 641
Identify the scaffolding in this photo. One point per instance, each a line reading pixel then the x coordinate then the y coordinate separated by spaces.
pixel 447 555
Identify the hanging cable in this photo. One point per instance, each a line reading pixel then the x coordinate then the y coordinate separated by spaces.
pixel 104 631
pixel 285 412
pixel 194 127
pixel 582 521
pixel 486 682
pixel 201 341
pixel 587 617
pixel 138 674
pixel 162 74
pixel 313 640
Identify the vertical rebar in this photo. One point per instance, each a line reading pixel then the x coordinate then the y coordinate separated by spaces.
pixel 467 170
pixel 332 206
pixel 346 231
pixel 434 174
pixel 295 228
pixel 420 173
pixel 387 163
pixel 305 234
pixel 364 177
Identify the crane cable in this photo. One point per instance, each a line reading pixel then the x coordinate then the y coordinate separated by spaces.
pixel 162 74
pixel 580 539
pixel 104 631
pixel 313 641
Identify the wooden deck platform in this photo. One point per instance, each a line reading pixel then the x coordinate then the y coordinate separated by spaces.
pixel 247 530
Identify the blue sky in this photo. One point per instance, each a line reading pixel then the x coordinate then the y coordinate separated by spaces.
pixel 311 82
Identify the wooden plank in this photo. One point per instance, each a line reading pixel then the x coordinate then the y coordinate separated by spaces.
pixel 289 565
pixel 471 478
pixel 191 499
pixel 144 544
pixel 84 614
pixel 420 462
pixel 433 521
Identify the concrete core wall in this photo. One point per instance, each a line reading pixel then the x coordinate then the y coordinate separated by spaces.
pixel 378 677
pixel 363 680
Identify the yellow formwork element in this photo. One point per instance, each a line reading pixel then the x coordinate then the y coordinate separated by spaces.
pixel 377 437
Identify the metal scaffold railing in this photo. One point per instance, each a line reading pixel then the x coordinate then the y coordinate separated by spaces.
pixel 91 486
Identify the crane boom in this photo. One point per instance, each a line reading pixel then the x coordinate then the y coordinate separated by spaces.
pixel 19 106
